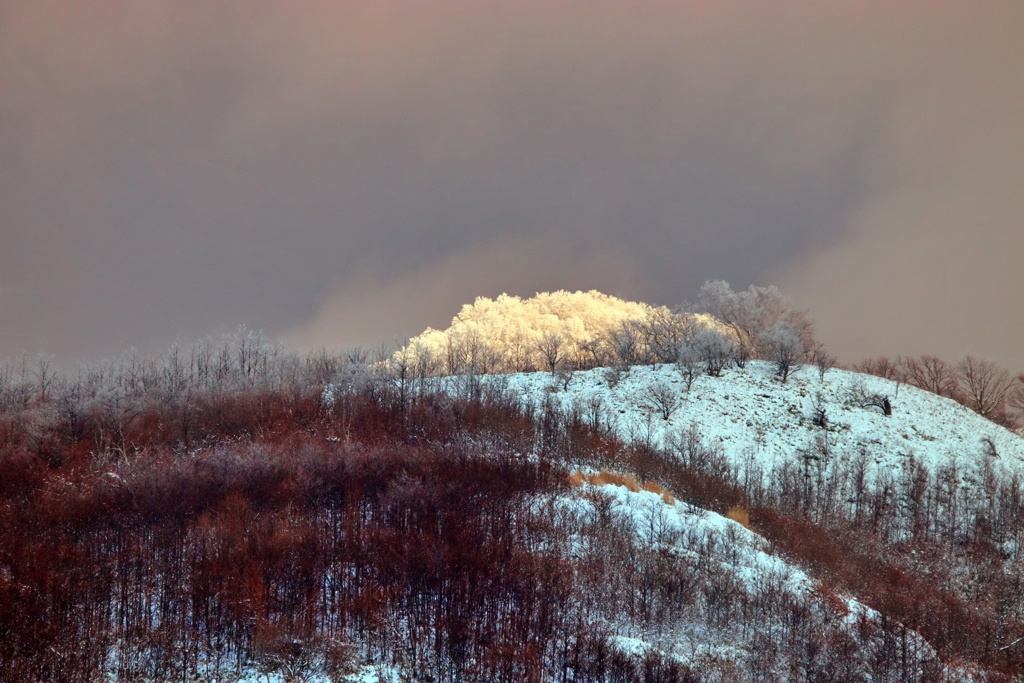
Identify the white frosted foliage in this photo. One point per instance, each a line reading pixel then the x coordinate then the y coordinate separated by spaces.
pixel 508 334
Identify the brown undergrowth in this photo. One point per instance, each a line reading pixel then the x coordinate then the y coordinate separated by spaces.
pixel 628 481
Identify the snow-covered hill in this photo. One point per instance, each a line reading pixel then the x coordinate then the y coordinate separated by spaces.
pixel 756 421
pixel 754 418
pixel 759 425
pixel 471 527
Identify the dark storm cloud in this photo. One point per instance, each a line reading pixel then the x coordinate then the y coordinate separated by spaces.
pixel 351 172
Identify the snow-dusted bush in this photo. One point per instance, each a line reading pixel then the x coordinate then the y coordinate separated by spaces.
pixel 660 397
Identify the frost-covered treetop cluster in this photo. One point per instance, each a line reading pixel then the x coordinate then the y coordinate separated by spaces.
pixel 583 330
pixel 551 330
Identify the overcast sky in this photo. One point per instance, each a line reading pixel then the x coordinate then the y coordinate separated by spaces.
pixel 339 173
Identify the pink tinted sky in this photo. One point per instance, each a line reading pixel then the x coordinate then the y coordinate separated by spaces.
pixel 340 173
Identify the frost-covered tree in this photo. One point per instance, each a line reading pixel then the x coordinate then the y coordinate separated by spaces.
pixel 510 328
pixel 689 364
pixel 714 349
pixel 751 314
pixel 784 346
pixel 506 334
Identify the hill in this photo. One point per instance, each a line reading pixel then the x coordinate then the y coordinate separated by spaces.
pixel 241 513
pixel 762 424
pixel 882 531
pixel 924 488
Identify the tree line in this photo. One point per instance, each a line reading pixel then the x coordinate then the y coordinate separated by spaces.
pixel 981 385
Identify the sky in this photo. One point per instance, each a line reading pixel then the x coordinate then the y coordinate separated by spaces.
pixel 347 173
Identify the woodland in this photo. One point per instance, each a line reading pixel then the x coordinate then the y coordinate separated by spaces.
pixel 237 510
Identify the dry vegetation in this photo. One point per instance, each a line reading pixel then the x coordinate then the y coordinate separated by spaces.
pixel 627 481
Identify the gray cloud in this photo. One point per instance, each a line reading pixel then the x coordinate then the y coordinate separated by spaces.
pixel 346 173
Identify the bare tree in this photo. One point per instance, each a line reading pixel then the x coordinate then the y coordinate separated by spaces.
pixel 321 367
pixel 881 366
pixel 614 375
pixel 822 360
pixel 1016 402
pixel 819 416
pixel 44 376
pixel 400 368
pixel 173 374
pixel 660 397
pixel 858 395
pixel 357 355
pixel 479 357
pixel 453 354
pixel 551 348
pixel 517 354
pixel 625 342
pixel 667 332
pixel 594 412
pixel 885 367
pixel 564 375
pixel 1017 394
pixel 251 355
pixel 984 385
pixel 931 374
pixel 426 365
pixel 589 355
pixel 740 355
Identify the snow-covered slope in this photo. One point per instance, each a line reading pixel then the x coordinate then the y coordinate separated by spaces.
pixel 713 547
pixel 756 421
pixel 754 417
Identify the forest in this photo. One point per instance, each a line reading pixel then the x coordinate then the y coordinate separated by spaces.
pixel 237 510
